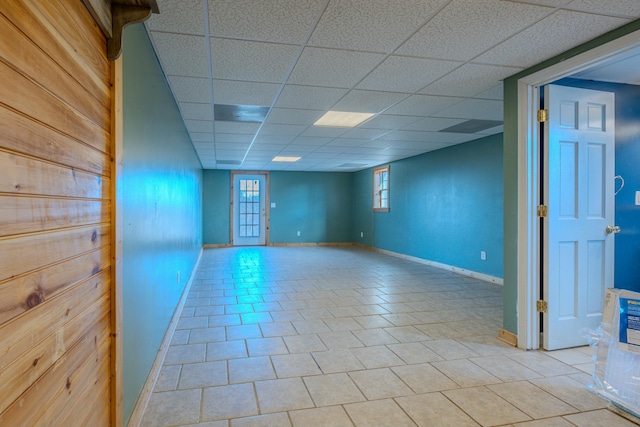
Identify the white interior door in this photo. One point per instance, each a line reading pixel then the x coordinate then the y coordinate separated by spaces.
pixel 578 248
pixel 249 210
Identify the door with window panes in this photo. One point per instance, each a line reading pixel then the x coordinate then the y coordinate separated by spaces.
pixel 249 209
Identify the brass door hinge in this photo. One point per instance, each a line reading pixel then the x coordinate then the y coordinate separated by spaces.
pixel 543 211
pixel 543 115
pixel 541 306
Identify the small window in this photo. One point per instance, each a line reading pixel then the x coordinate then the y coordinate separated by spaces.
pixel 381 189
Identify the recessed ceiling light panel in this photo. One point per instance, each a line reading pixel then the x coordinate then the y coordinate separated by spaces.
pixel 288 159
pixel 342 119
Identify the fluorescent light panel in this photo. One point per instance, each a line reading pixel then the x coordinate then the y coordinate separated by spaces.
pixel 288 159
pixel 342 119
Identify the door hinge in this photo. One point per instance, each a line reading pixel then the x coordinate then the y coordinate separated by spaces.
pixel 543 115
pixel 541 306
pixel 543 211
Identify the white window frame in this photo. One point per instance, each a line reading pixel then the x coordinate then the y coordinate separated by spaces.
pixel 378 189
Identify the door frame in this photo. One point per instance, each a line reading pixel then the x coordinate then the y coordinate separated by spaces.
pixel 267 203
pixel 529 162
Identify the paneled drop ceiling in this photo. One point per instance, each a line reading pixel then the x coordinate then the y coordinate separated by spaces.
pixel 431 71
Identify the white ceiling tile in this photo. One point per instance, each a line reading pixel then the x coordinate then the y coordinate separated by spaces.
pixel 367 101
pixel 309 97
pixel 365 133
pixel 492 131
pixel 405 74
pixel 230 154
pixel 311 141
pixel 204 145
pixel 371 25
pixel 236 127
pixel 388 122
pixel 406 135
pixel 259 156
pixel 199 137
pixel 298 149
pixel 244 93
pixel 288 116
pixel 348 142
pixel 178 16
pixel 332 67
pixel 318 155
pixel 273 139
pixel 432 124
pixel 287 21
pixel 324 132
pixel 552 36
pixel 330 149
pixel 496 92
pixel 267 148
pixel 277 129
pixel 469 80
pixel 630 8
pixel 221 146
pixel 194 111
pixel 423 105
pixel 190 89
pixel 185 55
pixel 251 61
pixel 482 109
pixel 460 30
pixel 222 138
pixel 199 126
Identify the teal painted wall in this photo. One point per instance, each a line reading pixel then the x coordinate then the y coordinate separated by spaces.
pixel 318 204
pixel 446 206
pixel 161 186
pixel 510 169
pixel 215 207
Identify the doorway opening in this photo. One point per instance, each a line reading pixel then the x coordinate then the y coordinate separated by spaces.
pixel 529 176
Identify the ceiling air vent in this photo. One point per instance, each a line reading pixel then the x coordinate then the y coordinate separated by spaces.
pixel 240 113
pixel 229 162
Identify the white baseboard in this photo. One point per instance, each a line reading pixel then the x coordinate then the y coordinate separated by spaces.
pixel 458 270
pixel 147 389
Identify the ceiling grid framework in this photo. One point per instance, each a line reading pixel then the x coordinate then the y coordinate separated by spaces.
pixel 430 71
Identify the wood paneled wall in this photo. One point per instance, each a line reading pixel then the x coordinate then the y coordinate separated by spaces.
pixel 55 216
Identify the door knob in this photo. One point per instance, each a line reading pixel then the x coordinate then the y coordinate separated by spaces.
pixel 612 229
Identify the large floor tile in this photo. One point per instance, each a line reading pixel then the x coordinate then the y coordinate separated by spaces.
pixel 434 410
pixel 486 407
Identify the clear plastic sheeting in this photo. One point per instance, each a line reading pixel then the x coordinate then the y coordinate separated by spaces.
pixel 616 375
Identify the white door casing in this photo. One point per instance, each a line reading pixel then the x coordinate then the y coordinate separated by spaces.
pixel 578 189
pixel 249 213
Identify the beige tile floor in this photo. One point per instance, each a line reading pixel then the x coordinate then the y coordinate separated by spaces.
pixel 341 336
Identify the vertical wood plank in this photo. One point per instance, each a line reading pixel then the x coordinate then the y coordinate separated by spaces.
pixel 117 121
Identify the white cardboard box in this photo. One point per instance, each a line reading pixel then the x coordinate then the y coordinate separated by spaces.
pixel 617 370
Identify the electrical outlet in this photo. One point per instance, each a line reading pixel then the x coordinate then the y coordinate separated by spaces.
pixel 362 234
pixel 178 277
pixel 637 198
pixel 483 255
pixel 298 232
